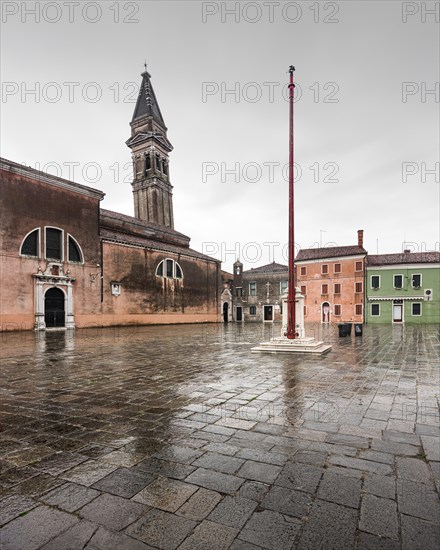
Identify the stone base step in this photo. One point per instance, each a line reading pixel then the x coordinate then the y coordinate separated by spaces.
pixel 298 345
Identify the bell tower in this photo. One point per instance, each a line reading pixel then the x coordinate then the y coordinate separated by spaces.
pixel 152 190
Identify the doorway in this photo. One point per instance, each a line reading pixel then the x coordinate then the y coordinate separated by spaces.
pixel 239 313
pixel 54 312
pixel 268 313
pixel 325 312
pixel 397 311
pixel 225 312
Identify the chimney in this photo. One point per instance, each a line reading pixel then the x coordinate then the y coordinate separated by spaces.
pixel 361 238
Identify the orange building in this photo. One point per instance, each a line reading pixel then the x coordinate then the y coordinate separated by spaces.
pixel 333 282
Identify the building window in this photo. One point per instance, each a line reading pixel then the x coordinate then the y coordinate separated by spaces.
pixel 375 282
pixel 358 309
pixel 304 290
pixel 305 311
pixel 324 269
pixel 337 288
pixel 337 309
pixel 169 269
pixel 324 289
pixel 416 280
pixel 337 268
pixel 398 281
pixel 283 286
pixel 54 244
pixel 165 168
pixel 31 244
pixel 375 310
pixel 358 287
pixel 74 250
pixel 147 162
pixel 416 309
pixel 239 291
pixel 359 266
pixel 252 310
pixel 252 289
pixel 303 271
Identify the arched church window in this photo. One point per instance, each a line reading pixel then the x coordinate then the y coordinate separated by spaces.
pixel 147 162
pixel 75 254
pixel 158 163
pixel 170 269
pixel 31 244
pixel 54 243
pixel 165 168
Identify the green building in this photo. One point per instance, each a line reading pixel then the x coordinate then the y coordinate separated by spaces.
pixel 403 288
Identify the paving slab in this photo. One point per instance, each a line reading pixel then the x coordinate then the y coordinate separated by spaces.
pixel 165 494
pixel 210 535
pixel 271 530
pixel 124 482
pixel 219 463
pixel 340 489
pixel 233 511
pixel 287 501
pixel 199 505
pixel 302 477
pixel 113 512
pixel 418 534
pixel 216 481
pixel 259 471
pixel 14 505
pixel 161 529
pixel 74 538
pixel 70 496
pixel 379 517
pixel 329 526
pixel 104 539
pixel 35 528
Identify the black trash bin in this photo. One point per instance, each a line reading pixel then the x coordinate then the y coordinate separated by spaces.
pixel 358 329
pixel 344 329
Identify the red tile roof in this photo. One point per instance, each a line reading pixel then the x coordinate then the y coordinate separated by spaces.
pixel 404 258
pixel 329 252
pixel 269 268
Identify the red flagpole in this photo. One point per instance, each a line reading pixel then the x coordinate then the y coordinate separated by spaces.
pixel 291 325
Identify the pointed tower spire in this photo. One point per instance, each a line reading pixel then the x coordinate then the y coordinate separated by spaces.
pixel 146 104
pixel 152 190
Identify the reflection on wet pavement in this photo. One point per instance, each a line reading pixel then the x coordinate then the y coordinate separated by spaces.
pixel 179 436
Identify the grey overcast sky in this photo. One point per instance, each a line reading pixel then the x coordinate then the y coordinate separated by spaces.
pixel 366 113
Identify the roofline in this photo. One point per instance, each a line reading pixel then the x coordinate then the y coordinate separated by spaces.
pixel 407 265
pixel 185 251
pixel 23 170
pixel 347 257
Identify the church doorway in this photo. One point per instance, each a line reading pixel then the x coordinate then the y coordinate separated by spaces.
pixel 225 312
pixel 54 312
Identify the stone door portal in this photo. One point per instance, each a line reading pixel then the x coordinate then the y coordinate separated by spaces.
pixel 54 310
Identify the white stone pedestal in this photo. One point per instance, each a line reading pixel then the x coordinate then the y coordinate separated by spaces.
pixel 301 343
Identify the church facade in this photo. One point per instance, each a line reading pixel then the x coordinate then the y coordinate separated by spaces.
pixel 66 262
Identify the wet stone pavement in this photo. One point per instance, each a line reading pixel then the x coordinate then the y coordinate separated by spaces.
pixel 180 437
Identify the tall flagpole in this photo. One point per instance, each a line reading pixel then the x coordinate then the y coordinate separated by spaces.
pixel 291 324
